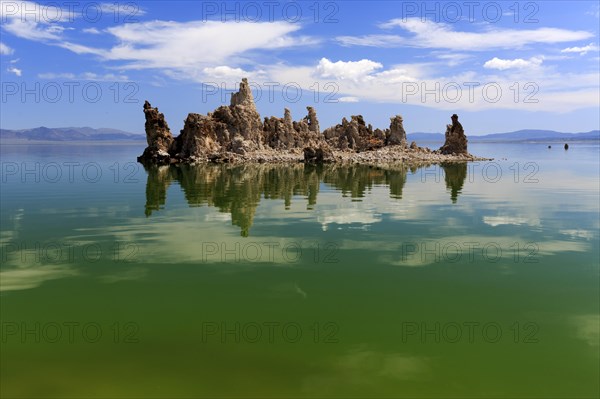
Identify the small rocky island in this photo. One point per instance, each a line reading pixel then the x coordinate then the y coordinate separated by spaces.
pixel 236 133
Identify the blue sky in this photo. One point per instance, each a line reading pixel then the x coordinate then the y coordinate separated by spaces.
pixel 501 65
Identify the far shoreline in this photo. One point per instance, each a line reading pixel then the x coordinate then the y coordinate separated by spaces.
pixel 141 142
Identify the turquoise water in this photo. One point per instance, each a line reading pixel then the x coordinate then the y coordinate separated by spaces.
pixel 478 280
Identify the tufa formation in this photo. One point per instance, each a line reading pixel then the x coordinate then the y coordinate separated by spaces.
pixel 236 132
pixel 456 141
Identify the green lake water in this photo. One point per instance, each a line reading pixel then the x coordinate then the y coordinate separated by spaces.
pixel 478 280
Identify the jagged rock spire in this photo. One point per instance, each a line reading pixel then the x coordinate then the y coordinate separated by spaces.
pixel 456 141
pixel 397 135
pixel 243 96
pixel 158 136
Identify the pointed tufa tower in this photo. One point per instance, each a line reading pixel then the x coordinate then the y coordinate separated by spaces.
pixel 456 141
pixel 158 136
pixel 241 121
pixel 397 135
pixel 244 96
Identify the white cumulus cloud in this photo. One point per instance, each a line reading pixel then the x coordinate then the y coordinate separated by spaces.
pixel 581 50
pixel 519 63
pixel 353 70
pixel 227 77
pixel 225 72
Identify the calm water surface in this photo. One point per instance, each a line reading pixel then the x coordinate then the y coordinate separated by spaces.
pixel 294 281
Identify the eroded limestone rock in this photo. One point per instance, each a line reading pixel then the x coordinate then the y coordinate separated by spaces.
pixel 241 119
pixel 284 133
pixel 317 155
pixel 354 135
pixel 158 136
pixel 456 141
pixel 236 133
pixel 396 135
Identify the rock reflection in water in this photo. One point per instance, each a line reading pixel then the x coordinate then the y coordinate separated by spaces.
pixel 454 175
pixel 238 189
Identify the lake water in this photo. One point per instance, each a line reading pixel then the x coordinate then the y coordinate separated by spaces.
pixel 295 281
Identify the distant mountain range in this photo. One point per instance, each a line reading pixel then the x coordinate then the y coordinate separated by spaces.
pixel 68 134
pixel 104 134
pixel 518 136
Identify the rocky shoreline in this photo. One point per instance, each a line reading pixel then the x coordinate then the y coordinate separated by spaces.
pixel 236 134
pixel 388 155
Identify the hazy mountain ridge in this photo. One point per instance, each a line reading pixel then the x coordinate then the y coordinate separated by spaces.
pixel 43 133
pixel 517 136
